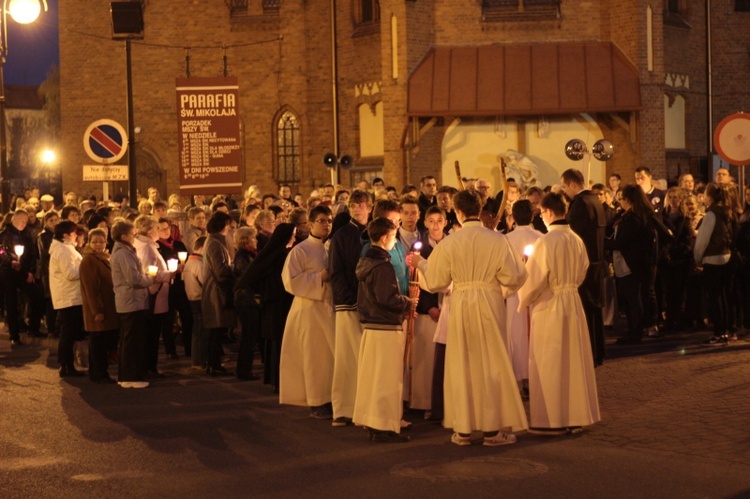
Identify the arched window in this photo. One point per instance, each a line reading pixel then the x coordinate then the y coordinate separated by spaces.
pixel 370 11
pixel 287 148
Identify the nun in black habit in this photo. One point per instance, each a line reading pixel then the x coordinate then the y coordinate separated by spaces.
pixel 263 277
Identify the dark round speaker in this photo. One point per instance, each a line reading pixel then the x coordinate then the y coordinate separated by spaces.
pixel 330 160
pixel 346 161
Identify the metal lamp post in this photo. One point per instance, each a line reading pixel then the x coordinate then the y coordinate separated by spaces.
pixel 23 12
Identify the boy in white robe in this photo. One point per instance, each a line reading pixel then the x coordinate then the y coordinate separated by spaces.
pixel 306 369
pixel 422 360
pixel 518 326
pixel 345 249
pixel 480 387
pixel 382 309
pixel 562 384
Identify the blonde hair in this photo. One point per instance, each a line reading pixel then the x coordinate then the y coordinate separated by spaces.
pixel 144 223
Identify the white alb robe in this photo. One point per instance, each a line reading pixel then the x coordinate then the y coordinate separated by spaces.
pixel 380 379
pixel 562 385
pixel 518 325
pixel 480 387
pixel 419 373
pixel 306 368
pixel 346 362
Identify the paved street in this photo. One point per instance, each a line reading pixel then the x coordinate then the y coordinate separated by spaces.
pixel 676 423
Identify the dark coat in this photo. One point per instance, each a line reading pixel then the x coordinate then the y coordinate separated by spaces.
pixel 216 302
pixel 378 297
pixel 636 242
pixel 97 292
pixel 263 276
pixel 586 218
pixel 426 300
pixel 343 254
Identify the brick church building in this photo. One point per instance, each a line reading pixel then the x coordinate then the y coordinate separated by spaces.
pixel 408 87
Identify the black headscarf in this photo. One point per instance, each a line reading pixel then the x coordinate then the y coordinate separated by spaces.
pixel 270 259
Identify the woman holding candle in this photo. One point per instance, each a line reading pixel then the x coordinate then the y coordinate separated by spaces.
pixel 170 249
pixel 65 288
pixel 148 253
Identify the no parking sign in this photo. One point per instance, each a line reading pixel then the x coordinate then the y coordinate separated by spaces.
pixel 105 141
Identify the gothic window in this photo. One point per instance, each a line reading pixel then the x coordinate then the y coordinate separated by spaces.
pixel 674 121
pixel 287 148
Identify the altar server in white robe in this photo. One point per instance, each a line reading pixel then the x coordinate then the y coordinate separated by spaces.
pixel 562 383
pixel 480 386
pixel 306 370
pixel 422 359
pixel 518 327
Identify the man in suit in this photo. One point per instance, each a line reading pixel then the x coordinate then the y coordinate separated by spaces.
pixel 586 218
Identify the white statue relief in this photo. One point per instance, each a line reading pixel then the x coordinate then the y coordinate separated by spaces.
pixel 521 168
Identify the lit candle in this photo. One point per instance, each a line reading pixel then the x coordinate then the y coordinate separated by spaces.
pixel 152 270
pixel 182 255
pixel 528 250
pixel 172 265
pixel 19 249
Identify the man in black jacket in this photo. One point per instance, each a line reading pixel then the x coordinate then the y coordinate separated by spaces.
pixel 343 254
pixel 17 273
pixel 586 218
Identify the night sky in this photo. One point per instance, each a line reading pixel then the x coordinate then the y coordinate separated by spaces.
pixel 32 48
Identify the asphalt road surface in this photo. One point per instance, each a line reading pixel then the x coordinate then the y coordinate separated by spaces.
pixel 676 423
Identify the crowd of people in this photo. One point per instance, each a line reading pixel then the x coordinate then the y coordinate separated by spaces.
pixel 360 301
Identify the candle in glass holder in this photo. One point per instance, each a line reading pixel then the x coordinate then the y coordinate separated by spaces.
pixel 172 265
pixel 182 255
pixel 152 270
pixel 19 249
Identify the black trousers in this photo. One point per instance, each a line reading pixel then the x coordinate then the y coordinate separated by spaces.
pixel 629 289
pixel 71 330
pixel 250 321
pixel 675 280
pixel 438 377
pixel 12 283
pixel 155 328
pixel 215 335
pixel 595 324
pixel 133 345
pixel 179 303
pixel 716 279
pixel 100 344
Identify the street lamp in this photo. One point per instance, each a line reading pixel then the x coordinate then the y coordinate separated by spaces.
pixel 23 12
pixel 48 157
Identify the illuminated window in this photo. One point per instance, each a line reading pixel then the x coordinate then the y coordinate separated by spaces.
pixel 287 148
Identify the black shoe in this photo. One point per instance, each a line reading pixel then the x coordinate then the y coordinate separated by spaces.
pixel 156 375
pixel 173 356
pixel 717 340
pixel 627 341
pixel 217 371
pixel 16 342
pixel 70 372
pixel 104 381
pixel 390 437
pixel 37 334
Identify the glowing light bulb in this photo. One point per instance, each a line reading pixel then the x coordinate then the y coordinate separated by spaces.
pixel 25 11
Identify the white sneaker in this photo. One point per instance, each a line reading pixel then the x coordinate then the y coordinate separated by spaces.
pixel 460 440
pixel 133 384
pixel 499 439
